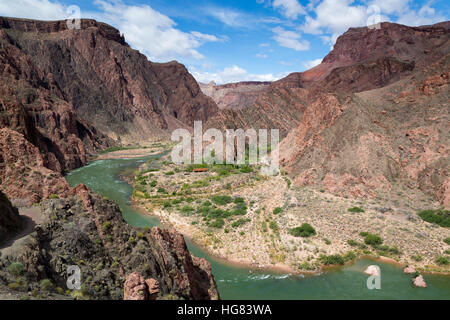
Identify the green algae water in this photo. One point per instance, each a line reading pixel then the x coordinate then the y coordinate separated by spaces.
pixel 348 282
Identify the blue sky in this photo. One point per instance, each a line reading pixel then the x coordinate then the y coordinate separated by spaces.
pixel 235 40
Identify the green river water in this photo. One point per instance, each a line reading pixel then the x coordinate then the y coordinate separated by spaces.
pixel 348 282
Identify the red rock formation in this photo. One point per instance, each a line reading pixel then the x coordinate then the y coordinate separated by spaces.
pixel 235 96
pixel 72 92
pixel 135 288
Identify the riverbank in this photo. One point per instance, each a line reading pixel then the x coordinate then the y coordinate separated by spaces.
pixel 240 282
pixel 261 237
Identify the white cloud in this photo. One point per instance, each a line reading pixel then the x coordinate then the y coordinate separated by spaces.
pixel 229 17
pixel 232 74
pixel 262 55
pixel 425 16
pixel 312 63
pixel 146 29
pixel 33 9
pixel 290 39
pixel 152 32
pixel 331 18
pixel 290 8
pixel 335 17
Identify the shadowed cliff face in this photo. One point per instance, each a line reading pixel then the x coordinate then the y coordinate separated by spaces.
pixel 70 93
pixel 10 221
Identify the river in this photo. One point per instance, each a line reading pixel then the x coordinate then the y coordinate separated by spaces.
pixel 348 282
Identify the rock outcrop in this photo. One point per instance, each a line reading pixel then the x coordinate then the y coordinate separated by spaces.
pixel 235 96
pixel 10 221
pixel 116 260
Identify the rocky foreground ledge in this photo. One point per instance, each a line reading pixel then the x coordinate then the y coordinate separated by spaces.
pixel 89 232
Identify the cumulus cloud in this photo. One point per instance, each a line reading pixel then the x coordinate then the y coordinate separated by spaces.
pixel 291 9
pixel 290 39
pixel 335 17
pixel 232 74
pixel 312 63
pixel 147 30
pixel 426 15
pixel 33 9
pixel 331 18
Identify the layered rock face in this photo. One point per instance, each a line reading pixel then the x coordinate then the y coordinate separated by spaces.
pixel 113 257
pixel 10 221
pixel 235 96
pixel 370 143
pixel 70 93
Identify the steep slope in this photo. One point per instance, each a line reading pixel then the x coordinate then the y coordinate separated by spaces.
pixel 373 142
pixel 10 221
pixel 89 232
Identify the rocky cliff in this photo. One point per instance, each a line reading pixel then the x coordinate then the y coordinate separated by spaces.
pixel 70 93
pixel 370 118
pixel 10 221
pixel 235 96
pixel 89 232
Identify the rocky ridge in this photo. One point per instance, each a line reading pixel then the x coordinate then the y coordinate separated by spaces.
pixel 89 232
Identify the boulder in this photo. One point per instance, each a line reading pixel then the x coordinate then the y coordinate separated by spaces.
pixel 420 282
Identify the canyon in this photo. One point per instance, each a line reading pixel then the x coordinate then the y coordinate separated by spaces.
pixel 368 125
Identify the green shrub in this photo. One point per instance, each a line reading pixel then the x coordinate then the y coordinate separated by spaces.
pixel 221 200
pixel 305 230
pixel 277 210
pixel 246 169
pixel 106 226
pixel 187 210
pixel 240 209
pixel 442 261
pixel 349 256
pixel 373 239
pixel 417 258
pixel 53 196
pixel 162 190
pixel 332 260
pixel 356 210
pixel 240 222
pixel 440 217
pixel 239 200
pixel 218 223
pixel 46 285
pixel 169 173
pixel 447 240
pixel 16 269
pixel 273 225
pixel 153 183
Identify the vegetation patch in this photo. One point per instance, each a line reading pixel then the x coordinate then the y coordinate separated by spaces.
pixel 356 210
pixel 221 200
pixel 277 210
pixel 304 231
pixel 439 217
